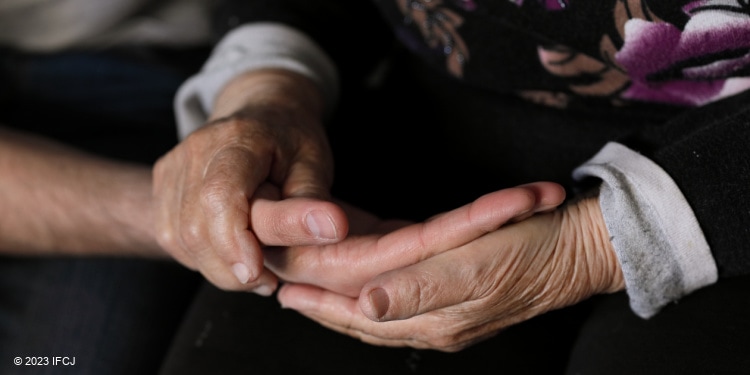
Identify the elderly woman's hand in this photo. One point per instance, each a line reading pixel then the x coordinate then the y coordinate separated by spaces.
pixel 455 298
pixel 375 246
pixel 265 129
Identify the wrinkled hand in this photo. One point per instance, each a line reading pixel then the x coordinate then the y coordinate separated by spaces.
pixel 375 246
pixel 265 127
pixel 455 298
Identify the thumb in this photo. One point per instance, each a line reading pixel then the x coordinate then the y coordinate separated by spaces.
pixel 308 178
pixel 432 284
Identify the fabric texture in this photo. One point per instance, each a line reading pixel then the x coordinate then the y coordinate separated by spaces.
pixel 249 48
pixel 107 316
pixel 659 243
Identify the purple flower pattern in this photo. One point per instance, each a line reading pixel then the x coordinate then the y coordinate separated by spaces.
pixel 692 66
pixel 705 60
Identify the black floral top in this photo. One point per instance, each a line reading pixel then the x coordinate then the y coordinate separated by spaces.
pixel 685 53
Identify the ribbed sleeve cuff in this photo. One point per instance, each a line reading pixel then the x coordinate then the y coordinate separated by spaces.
pixel 659 243
pixel 246 48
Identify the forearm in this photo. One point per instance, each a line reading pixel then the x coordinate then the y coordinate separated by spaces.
pixel 57 200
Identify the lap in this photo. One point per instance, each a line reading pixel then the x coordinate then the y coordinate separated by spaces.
pixel 706 332
pixel 239 333
pixel 115 316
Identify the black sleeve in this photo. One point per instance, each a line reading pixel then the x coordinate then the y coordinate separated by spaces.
pixel 706 151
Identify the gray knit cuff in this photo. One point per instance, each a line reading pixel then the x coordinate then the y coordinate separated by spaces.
pixel 246 48
pixel 659 243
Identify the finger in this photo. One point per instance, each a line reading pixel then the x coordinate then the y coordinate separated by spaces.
pixel 362 222
pixel 267 191
pixel 224 278
pixel 444 280
pixel 544 195
pixel 296 221
pixel 342 314
pixel 548 195
pixel 309 175
pixel 230 179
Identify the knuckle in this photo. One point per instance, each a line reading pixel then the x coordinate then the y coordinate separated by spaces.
pixel 192 234
pixel 166 238
pixel 216 196
pixel 423 290
pixel 193 143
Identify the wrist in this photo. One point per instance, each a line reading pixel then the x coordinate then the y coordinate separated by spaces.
pixel 269 88
pixel 593 249
pixel 133 213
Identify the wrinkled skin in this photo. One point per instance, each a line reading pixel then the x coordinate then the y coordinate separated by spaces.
pixel 429 287
pixel 265 129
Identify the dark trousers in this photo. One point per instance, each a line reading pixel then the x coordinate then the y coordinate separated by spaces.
pixel 107 316
pixel 707 332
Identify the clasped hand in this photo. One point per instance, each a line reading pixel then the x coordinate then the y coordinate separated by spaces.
pixel 457 278
pixel 215 194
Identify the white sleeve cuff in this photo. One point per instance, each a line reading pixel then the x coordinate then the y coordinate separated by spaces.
pixel 246 48
pixel 659 243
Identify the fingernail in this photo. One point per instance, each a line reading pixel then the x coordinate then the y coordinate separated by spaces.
pixel 264 290
pixel 380 302
pixel 321 225
pixel 241 272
